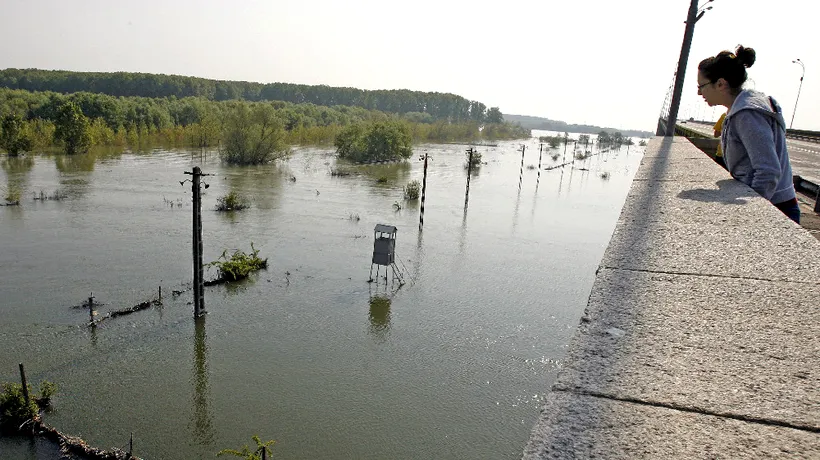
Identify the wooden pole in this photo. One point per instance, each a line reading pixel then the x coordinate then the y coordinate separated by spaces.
pixel 469 173
pixel 91 308
pixel 521 172
pixel 131 446
pixel 199 287
pixel 25 384
pixel 423 195
pixel 540 152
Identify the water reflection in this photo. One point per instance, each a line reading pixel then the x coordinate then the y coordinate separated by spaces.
pixel 201 422
pixel 393 173
pixel 379 316
pixel 261 184
pixel 17 165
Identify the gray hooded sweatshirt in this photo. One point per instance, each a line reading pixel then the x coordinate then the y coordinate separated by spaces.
pixel 754 146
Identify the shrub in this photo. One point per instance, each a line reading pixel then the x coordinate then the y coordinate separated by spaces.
pixel 412 190
pixel 13 408
pixel 377 141
pixel 476 160
pixel 231 202
pixel 239 265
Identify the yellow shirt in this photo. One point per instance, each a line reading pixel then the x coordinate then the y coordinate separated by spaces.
pixel 718 130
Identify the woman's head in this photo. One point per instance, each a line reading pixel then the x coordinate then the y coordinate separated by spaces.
pixel 721 77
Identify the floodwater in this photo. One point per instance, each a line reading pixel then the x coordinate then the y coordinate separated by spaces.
pixel 454 366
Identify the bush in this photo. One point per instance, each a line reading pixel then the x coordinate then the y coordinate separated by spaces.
pixel 231 202
pixel 377 141
pixel 412 190
pixel 476 160
pixel 239 265
pixel 13 408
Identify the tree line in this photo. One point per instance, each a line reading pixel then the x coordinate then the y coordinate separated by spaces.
pixel 246 132
pixel 432 105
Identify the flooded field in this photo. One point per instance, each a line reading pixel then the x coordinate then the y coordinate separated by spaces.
pixel 453 366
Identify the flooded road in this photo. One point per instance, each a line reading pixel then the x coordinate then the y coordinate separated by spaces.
pixel 453 367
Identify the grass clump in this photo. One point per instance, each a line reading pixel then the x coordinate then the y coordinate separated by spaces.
pixel 14 411
pixel 239 265
pixel 246 452
pixel 605 175
pixel 340 172
pixel 412 190
pixel 582 155
pixel 231 202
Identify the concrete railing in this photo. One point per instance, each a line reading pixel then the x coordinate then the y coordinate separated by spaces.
pixel 701 337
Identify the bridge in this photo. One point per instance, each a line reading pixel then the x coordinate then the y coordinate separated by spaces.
pixel 700 336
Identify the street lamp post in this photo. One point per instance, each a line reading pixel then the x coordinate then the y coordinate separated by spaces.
pixel 798 61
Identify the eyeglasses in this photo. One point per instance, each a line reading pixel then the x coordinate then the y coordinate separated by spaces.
pixel 700 87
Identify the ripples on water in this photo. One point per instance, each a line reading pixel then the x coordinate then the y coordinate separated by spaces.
pixel 453 365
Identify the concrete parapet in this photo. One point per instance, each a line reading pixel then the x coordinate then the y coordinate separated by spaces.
pixel 701 336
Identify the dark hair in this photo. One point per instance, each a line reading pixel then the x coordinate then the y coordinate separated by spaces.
pixel 729 66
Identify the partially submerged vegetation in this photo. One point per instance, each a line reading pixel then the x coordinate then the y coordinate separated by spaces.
pixel 412 190
pixel 372 142
pixel 473 161
pixel 253 135
pixel 262 450
pixel 238 266
pixel 231 202
pixel 15 412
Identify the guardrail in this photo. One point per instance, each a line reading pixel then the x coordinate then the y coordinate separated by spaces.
pixel 803 135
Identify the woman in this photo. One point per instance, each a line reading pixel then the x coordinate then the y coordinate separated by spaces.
pixel 753 138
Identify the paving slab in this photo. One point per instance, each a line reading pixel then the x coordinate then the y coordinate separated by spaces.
pixel 582 427
pixel 741 347
pixel 711 201
pixel 677 148
pixel 772 250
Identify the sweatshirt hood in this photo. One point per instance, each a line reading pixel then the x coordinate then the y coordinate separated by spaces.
pixel 755 100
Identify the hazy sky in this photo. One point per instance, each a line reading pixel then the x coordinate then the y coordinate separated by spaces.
pixel 582 61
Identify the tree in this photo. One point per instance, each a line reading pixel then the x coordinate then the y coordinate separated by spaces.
pixel 253 135
pixel 378 141
pixel 494 115
pixel 72 129
pixel 14 137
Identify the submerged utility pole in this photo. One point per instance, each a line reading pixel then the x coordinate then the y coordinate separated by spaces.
pixel 423 193
pixel 691 19
pixel 199 283
pixel 469 173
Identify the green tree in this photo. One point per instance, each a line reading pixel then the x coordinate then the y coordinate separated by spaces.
pixel 494 115
pixel 72 129
pixel 378 141
pixel 14 137
pixel 253 135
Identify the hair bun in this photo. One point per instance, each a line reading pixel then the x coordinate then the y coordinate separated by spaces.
pixel 746 56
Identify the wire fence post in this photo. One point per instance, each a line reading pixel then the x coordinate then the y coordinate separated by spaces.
pixel 521 172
